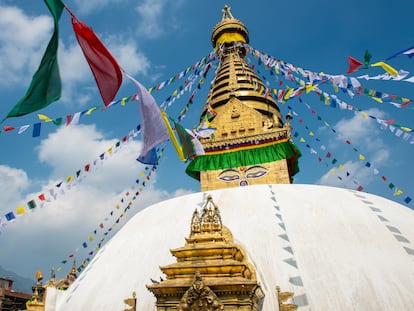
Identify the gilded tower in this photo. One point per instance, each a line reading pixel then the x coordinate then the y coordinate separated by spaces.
pixel 251 143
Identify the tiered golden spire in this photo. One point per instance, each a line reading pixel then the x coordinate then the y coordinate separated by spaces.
pixel 249 130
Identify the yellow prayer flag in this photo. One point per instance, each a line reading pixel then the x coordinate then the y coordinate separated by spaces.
pixel 398 192
pixel 44 118
pixel 361 157
pixel 386 67
pixel 406 129
pixel 326 100
pixel 336 88
pixel 377 99
pixel 332 171
pixel 123 100
pixel 175 93
pixel 364 115
pixel 311 133
pixel 302 140
pixel 110 150
pixel 142 174
pixel 288 93
pixel 174 140
pixel 69 179
pixel 20 210
pixel 117 206
pixel 90 238
pixel 59 269
pixel 326 123
pixel 90 110
pixel 309 88
pixel 340 167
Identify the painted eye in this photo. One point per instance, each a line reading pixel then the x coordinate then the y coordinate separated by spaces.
pixel 256 174
pixel 229 178
pixel 256 171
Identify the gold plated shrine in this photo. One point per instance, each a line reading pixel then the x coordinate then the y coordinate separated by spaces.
pixel 211 272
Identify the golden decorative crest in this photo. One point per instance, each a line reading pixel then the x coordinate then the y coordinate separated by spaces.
pixel 199 297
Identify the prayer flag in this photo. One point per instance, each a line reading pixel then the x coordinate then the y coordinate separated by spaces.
pixel 8 128
pixel 409 52
pixel 407 200
pixel 20 210
pixel 105 68
pixel 44 118
pixel 398 192
pixel 154 130
pixel 42 197
pixel 174 140
pixel 367 59
pixel 46 85
pixel 386 67
pixel 360 188
pixel 31 204
pixel 10 216
pixel 353 64
pixel 36 129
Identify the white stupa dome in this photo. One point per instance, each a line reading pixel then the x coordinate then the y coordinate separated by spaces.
pixel 336 249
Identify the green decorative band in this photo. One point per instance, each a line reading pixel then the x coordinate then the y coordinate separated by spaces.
pixel 283 150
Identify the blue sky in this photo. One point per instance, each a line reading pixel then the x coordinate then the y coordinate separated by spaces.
pixel 153 41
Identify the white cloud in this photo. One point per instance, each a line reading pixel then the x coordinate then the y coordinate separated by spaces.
pixel 150 12
pixel 14 182
pixel 23 40
pixel 128 55
pixel 360 129
pixel 51 233
pixel 363 134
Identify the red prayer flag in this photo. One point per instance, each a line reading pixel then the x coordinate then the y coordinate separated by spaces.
pixel 41 197
pixel 353 64
pixel 360 188
pixel 105 68
pixel 8 128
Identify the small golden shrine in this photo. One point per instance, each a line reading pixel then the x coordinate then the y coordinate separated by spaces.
pixel 250 144
pixel 211 272
pixel 37 302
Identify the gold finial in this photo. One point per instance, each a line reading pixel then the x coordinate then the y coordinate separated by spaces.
pixel 226 12
pixel 131 302
pixel 52 275
pixel 229 30
pixel 39 277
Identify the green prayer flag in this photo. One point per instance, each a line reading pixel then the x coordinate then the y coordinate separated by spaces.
pixel 46 85
pixel 185 139
pixel 367 59
pixel 31 204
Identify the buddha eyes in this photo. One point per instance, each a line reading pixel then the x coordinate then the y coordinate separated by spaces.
pixel 230 175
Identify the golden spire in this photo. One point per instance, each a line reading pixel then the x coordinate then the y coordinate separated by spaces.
pixel 251 144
